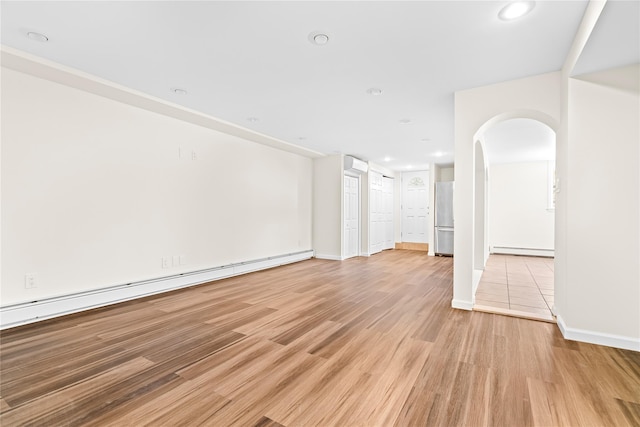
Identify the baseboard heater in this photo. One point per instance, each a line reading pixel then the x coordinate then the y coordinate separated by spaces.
pixel 508 250
pixel 47 308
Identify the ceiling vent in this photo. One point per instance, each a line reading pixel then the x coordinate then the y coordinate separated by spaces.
pixel 351 164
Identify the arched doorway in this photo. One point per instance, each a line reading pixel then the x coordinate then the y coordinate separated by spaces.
pixel 514 218
pixel 477 110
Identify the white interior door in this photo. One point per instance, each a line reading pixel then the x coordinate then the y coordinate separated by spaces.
pixel 376 213
pixel 415 207
pixel 387 191
pixel 351 216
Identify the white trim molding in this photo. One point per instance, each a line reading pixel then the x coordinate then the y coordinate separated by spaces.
pixel 48 308
pixel 462 305
pixel 329 257
pixel 505 250
pixel 592 337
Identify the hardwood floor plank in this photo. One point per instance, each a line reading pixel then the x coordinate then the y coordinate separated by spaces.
pixel 630 410
pixel 76 366
pixel 53 406
pixel 176 410
pixel 388 390
pixel 364 342
pixel 267 422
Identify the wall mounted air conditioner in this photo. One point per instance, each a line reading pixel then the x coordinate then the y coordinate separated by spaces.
pixel 351 164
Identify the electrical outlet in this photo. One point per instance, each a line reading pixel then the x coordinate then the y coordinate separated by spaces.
pixel 166 262
pixel 30 281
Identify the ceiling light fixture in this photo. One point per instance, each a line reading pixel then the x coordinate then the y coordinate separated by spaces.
pixel 404 121
pixel 37 37
pixel 515 10
pixel 438 154
pixel 409 166
pixel 318 38
pixel 374 91
pixel 426 140
pixel 252 119
pixel 178 91
pixel 387 159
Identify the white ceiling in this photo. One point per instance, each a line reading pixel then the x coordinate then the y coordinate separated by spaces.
pixel 615 40
pixel 253 59
pixel 519 140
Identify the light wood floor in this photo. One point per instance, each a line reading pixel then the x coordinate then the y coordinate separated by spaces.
pixel 516 285
pixel 364 342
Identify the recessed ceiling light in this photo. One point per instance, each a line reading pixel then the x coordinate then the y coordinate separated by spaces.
pixel 404 121
pixel 302 138
pixel 387 159
pixel 425 139
pixel 37 37
pixel 252 119
pixel 515 9
pixel 438 154
pixel 178 91
pixel 409 166
pixel 374 91
pixel 318 38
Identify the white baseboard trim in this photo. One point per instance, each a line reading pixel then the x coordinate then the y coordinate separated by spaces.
pixel 34 311
pixel 504 250
pixel 591 337
pixel 329 257
pixel 462 305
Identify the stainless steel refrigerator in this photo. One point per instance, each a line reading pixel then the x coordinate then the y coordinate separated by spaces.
pixel 444 219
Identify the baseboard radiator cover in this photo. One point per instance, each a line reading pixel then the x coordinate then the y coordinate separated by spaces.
pixel 507 250
pixel 48 308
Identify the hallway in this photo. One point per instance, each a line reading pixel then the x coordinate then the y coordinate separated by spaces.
pixel 519 286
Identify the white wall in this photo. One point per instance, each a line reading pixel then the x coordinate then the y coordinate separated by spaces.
pixel 328 176
pixel 476 110
pixel 518 206
pixel 597 126
pixel 446 174
pixel 602 190
pixel 94 193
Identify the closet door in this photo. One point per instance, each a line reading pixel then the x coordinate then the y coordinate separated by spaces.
pixel 351 216
pixel 376 213
pixel 387 191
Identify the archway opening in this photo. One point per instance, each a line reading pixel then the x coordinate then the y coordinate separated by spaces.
pixel 514 217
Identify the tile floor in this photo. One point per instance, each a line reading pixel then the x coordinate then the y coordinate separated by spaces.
pixel 518 286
